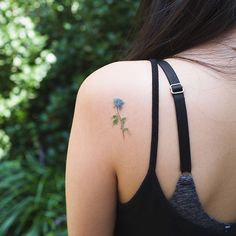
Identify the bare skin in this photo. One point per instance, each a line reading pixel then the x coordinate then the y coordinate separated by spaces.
pixel 101 162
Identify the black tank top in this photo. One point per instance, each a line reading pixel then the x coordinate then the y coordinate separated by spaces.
pixel 149 212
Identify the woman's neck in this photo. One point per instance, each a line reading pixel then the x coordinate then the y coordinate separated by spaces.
pixel 220 53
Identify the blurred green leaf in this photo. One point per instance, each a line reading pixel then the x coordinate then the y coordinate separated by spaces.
pixel 47 49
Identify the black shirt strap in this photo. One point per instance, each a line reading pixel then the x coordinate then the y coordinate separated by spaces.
pixel 155 115
pixel 177 91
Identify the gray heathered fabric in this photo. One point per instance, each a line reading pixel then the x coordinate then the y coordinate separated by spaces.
pixel 185 200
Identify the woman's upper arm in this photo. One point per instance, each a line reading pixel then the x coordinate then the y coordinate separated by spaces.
pixel 90 176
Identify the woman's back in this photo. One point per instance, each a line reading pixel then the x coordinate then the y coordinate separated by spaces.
pixel 211 110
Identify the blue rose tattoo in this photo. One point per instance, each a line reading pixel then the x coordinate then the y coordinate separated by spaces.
pixel 118 104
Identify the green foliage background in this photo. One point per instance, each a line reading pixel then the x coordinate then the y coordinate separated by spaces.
pixel 47 48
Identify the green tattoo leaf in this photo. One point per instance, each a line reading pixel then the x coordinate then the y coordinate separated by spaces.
pixel 123 120
pixel 115 122
pixel 115 119
pixel 125 129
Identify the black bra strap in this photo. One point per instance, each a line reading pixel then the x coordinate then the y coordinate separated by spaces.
pixel 155 115
pixel 177 91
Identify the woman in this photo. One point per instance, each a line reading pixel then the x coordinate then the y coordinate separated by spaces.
pixel 152 145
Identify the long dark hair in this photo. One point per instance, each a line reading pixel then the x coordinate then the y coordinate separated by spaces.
pixel 167 27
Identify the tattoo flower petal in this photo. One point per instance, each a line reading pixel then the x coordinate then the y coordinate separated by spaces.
pixel 118 103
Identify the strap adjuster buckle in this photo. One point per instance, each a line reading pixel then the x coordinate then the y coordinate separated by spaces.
pixel 177 89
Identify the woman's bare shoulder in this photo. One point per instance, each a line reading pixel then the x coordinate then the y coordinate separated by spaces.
pixel 128 81
pixel 114 70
